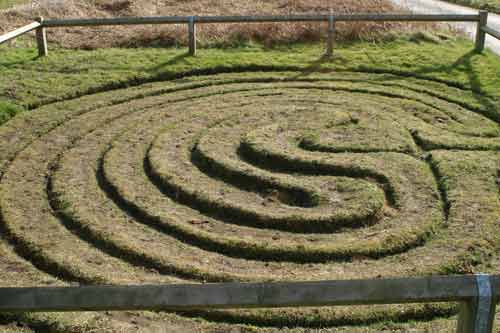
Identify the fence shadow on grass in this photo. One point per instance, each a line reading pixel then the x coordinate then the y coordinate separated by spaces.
pixel 464 64
pixel 163 67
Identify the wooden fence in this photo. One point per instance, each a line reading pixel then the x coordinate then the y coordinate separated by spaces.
pixel 477 294
pixel 481 18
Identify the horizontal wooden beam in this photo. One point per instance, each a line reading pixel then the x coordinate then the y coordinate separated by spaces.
pixel 242 295
pixel 492 32
pixel 18 32
pixel 236 19
pixel 116 21
pixel 259 19
pixel 346 17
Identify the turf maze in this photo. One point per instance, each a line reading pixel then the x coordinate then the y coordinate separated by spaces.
pixel 255 176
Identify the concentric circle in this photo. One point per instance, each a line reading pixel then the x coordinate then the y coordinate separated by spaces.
pixel 256 177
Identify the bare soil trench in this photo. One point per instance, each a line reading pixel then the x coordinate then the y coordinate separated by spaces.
pixel 436 7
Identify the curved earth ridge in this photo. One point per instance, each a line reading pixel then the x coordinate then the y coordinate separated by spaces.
pixel 227 180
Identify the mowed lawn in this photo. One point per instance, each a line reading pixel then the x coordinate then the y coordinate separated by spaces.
pixel 28 81
pixel 404 133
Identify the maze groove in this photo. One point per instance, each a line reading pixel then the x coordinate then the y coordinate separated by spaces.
pixel 257 177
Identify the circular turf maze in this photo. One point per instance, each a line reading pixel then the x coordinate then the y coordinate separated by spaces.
pixel 258 177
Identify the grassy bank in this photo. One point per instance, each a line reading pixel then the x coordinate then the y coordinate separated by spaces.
pixel 29 81
pixel 95 172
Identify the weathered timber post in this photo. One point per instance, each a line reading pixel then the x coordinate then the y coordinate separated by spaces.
pixel 41 39
pixel 480 34
pixel 331 36
pixel 192 36
pixel 477 315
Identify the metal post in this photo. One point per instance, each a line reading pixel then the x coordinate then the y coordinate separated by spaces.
pixel 331 36
pixel 41 39
pixel 477 316
pixel 192 36
pixel 480 34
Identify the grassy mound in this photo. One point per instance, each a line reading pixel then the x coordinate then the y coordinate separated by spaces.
pixel 311 171
pixel 253 177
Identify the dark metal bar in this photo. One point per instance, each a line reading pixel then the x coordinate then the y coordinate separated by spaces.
pixel 477 315
pixel 192 35
pixel 116 21
pixel 480 34
pixel 346 17
pixel 331 36
pixel 41 39
pixel 260 18
pixel 491 32
pixel 240 295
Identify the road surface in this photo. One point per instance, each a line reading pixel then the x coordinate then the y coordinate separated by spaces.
pixel 439 7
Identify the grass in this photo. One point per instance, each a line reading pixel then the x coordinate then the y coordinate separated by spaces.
pixel 363 165
pixel 8 110
pixel 4 4
pixel 29 82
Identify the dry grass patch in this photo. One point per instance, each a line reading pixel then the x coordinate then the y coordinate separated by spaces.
pixel 216 34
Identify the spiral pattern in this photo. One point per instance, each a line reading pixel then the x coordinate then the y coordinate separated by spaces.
pixel 256 177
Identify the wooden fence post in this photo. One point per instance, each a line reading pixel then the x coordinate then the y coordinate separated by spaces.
pixel 192 36
pixel 331 36
pixel 480 34
pixel 41 39
pixel 477 316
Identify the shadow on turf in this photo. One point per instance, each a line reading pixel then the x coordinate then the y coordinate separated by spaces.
pixel 172 61
pixel 12 64
pixel 463 64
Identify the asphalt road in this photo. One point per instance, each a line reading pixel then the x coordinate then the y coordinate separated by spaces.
pixel 440 7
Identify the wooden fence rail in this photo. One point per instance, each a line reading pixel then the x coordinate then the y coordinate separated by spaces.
pixel 260 19
pixel 478 295
pixel 191 21
pixel 492 32
pixel 18 32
